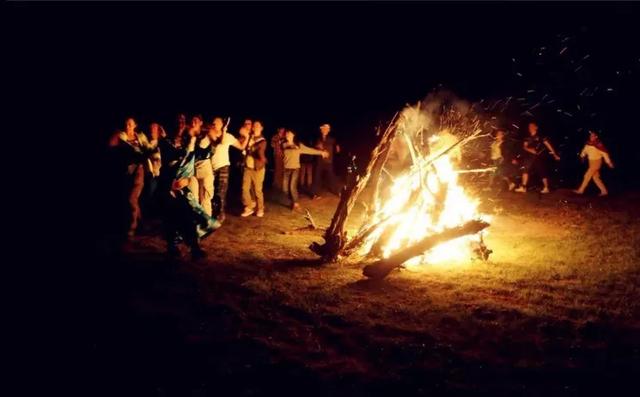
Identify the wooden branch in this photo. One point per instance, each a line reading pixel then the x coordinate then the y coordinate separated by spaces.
pixel 383 267
pixel 310 219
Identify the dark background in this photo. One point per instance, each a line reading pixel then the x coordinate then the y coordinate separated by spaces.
pixel 88 66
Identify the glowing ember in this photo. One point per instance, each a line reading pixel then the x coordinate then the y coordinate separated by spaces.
pixel 424 200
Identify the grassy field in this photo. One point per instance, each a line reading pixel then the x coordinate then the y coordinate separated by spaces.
pixel 555 311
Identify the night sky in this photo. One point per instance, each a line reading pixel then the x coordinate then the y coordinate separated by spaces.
pixel 300 65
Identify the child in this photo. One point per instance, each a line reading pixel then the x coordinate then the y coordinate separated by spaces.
pixel 595 151
pixel 292 149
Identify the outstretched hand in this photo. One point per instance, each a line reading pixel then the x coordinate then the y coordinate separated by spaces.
pixel 325 154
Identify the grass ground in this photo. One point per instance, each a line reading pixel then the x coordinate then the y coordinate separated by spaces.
pixel 555 311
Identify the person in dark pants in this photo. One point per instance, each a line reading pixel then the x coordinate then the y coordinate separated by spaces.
pixel 292 150
pixel 323 172
pixel 184 219
pixel 221 140
pixel 536 147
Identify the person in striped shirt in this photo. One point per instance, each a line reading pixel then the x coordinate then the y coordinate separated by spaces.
pixel 595 151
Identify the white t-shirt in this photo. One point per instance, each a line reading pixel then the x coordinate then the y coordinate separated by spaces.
pixel 220 156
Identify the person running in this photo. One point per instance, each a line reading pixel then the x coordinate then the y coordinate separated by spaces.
pixel 292 149
pixel 136 149
pixel 278 162
pixel 221 140
pixel 595 151
pixel 254 169
pixel 324 165
pixel 502 161
pixel 535 147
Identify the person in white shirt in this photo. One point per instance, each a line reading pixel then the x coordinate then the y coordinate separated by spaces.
pixel 595 151
pixel 221 140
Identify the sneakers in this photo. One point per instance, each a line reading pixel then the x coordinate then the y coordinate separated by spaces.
pixel 603 194
pixel 521 189
pixel 545 191
pixel 512 186
pixel 578 192
pixel 247 212
pixel 295 207
pixel 260 213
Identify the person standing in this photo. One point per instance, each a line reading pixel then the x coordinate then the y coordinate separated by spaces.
pixel 306 172
pixel 254 169
pixel 184 218
pixel 595 151
pixel 154 164
pixel 292 149
pixel 202 183
pixel 221 140
pixel 136 148
pixel 278 161
pixel 535 147
pixel 324 166
pixel 502 161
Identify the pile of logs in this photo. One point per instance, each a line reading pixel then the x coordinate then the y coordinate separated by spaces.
pixel 337 245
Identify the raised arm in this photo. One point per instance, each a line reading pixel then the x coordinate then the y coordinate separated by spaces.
pixel 304 149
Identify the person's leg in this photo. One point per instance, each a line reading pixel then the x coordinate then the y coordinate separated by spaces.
pixel 317 179
pixel 294 186
pixel 258 181
pixel 332 178
pixel 303 173
pixel 247 201
pixel 286 183
pixel 595 166
pixel 205 182
pixel 586 179
pixel 278 174
pixel 223 186
pixel 309 178
pixel 134 198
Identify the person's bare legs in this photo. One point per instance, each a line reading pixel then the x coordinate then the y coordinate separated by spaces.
pixel 599 183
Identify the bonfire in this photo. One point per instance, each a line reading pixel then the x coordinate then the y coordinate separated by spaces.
pixel 418 213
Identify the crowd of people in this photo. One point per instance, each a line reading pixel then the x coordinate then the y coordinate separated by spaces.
pixel 183 175
pixel 534 156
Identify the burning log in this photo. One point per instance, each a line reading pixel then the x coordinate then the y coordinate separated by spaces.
pixel 383 267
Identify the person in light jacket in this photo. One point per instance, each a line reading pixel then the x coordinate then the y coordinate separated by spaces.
pixel 292 149
pixel 595 151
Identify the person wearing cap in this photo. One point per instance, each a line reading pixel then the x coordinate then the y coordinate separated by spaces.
pixel 595 151
pixel 324 166
pixel 254 169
